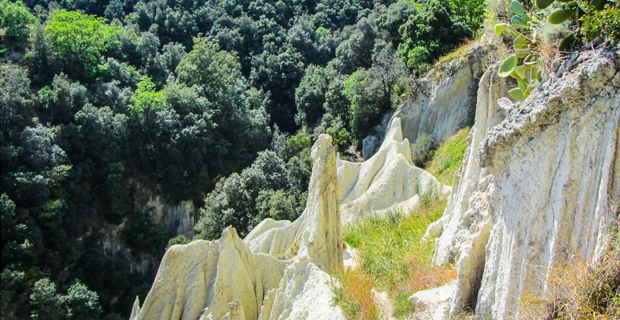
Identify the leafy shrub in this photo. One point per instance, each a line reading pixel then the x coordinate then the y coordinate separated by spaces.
pixel 145 236
pixel 279 205
pixel 180 239
pixel 79 303
pixel 602 24
pixel 433 32
pixel 472 11
pixel 422 148
pixel 600 21
pixel 16 18
pixel 526 45
pixel 234 200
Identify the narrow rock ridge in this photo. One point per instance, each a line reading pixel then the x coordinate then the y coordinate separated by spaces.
pixel 387 179
pixel 536 188
pixel 278 272
pixel 465 224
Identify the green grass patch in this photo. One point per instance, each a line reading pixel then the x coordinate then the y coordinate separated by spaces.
pixel 392 251
pixel 448 157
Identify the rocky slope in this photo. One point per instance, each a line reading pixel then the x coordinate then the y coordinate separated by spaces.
pixel 387 179
pixel 278 272
pixel 536 185
pixel 535 189
pixel 445 100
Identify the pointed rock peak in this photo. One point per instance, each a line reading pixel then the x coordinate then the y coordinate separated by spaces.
pixel 387 179
pixel 395 132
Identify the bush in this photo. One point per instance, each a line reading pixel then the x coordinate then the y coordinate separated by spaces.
pixel 145 236
pixel 180 239
pixel 434 32
pixel 16 18
pixel 602 25
pixel 422 149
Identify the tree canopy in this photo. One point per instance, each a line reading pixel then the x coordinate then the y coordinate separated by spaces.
pixel 104 104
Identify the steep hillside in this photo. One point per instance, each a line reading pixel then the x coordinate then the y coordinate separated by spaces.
pixel 537 185
pixel 536 189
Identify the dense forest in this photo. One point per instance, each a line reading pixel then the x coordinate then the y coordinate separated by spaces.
pixel 213 101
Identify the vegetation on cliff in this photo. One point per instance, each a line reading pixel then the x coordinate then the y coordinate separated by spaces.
pixel 102 98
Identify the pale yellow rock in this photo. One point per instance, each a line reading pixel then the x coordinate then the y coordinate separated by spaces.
pixel 387 179
pixel 190 280
pixel 466 222
pixel 278 272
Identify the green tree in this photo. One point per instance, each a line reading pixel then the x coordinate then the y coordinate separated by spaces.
pixel 234 200
pixel 79 42
pixel 470 10
pixel 64 99
pixel 78 304
pixel 431 33
pixel 310 96
pixel 147 97
pixel 16 19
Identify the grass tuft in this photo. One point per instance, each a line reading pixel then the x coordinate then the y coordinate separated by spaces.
pixel 448 157
pixel 394 254
pixel 354 294
pixel 582 290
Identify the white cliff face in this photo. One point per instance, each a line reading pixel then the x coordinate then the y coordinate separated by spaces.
pixel 387 179
pixel 536 188
pixel 446 99
pixel 466 222
pixel 278 272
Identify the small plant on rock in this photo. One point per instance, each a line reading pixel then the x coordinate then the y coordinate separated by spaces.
pixel 598 17
pixel 525 64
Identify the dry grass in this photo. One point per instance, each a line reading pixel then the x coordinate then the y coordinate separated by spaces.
pixel 395 257
pixel 424 278
pixel 581 291
pixel 354 294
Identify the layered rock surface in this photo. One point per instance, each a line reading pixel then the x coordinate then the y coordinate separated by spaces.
pixel 535 187
pixel 278 272
pixel 387 179
pixel 445 100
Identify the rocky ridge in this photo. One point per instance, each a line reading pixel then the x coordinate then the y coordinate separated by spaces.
pixel 386 180
pixel 536 185
pixel 279 271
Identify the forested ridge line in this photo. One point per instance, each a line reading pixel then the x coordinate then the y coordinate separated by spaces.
pixel 212 101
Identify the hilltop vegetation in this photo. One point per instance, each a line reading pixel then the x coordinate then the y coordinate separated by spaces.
pixel 99 97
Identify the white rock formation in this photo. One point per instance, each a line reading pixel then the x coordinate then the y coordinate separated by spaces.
pixel 445 100
pixel 466 222
pixel 387 179
pixel 278 272
pixel 537 189
pixel 432 304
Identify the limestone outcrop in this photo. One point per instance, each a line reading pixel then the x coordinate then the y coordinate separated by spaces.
pixel 279 271
pixel 445 100
pixel 536 185
pixel 387 179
